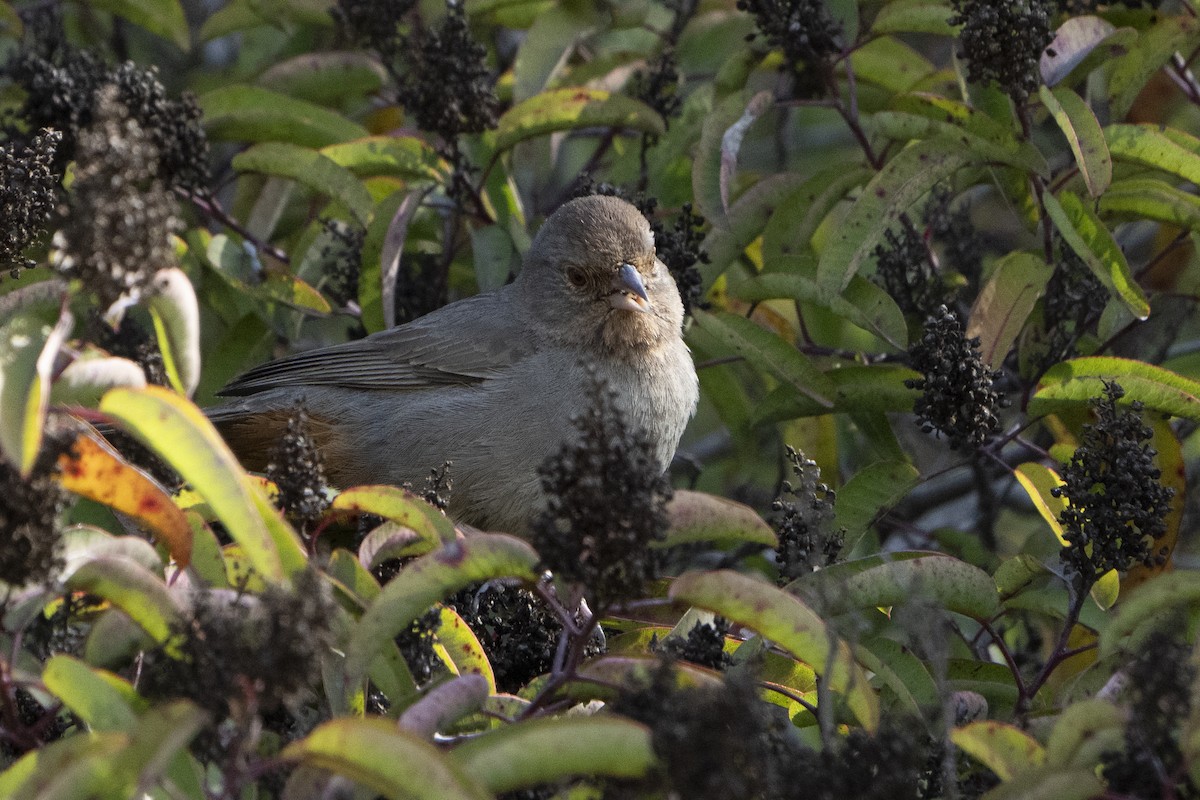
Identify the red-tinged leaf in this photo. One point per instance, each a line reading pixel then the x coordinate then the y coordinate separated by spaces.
pixel 97 472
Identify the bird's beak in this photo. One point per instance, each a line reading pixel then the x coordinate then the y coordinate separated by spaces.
pixel 628 291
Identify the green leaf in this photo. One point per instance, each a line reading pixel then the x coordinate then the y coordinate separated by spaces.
pixel 549 42
pixel 494 255
pixel 902 127
pixel 1017 573
pixel 914 16
pixel 327 78
pixel 462 648
pixel 133 589
pixel 1153 48
pixel 163 18
pixel 572 109
pixel 396 156
pixel 893 578
pixel 878 388
pixel 901 671
pixel 786 621
pixel 1005 302
pixel 894 191
pixel 1080 45
pixel 769 353
pixel 28 349
pixel 179 433
pixel 390 761
pixel 176 314
pixel 399 505
pixel 889 63
pixel 1146 606
pixel 1039 481
pixel 869 493
pixel 863 303
pixel 1081 379
pixel 515 757
pixel 311 169
pixel 103 700
pixel 1085 233
pixel 1150 198
pixel 699 517
pixel 708 159
pixel 1152 146
pixel 74 768
pixel 1077 122
pixel 1050 783
pixel 1005 749
pixel 1083 732
pixel 737 227
pixel 795 220
pixel 429 579
pixel 253 114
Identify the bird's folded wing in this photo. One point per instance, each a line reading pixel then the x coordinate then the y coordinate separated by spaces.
pixel 466 342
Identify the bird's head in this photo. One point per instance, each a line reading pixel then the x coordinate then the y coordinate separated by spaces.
pixel 592 276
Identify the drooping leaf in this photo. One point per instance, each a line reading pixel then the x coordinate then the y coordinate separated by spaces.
pixel 514 757
pixel 1151 146
pixel 768 352
pixel 1076 39
pixel 1154 47
pixel 896 189
pixel 461 646
pixel 1150 198
pixel 1083 231
pixel 253 114
pixel 1005 749
pixel 178 433
pixel 892 579
pixel 176 316
pixel 1081 379
pixel 789 623
pixel 27 352
pixel 163 18
pixel 869 493
pixel 92 470
pixel 398 156
pixel 429 579
pixel 1078 123
pixel 312 169
pixel 103 700
pixel 572 109
pixel 699 517
pixel 393 762
pixel 398 505
pixel 134 590
pixel 1004 303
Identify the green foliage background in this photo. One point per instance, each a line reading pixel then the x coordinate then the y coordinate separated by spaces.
pixel 856 151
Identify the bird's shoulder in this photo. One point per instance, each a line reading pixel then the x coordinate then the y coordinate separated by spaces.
pixel 465 342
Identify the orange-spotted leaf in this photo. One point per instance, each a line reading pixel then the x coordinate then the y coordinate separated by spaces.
pixel 95 471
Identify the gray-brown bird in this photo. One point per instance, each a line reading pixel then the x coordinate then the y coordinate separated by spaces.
pixel 491 383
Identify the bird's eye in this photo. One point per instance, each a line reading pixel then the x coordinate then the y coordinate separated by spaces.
pixel 576 277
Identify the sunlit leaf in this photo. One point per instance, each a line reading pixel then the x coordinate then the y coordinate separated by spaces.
pixel 1077 122
pixel 27 352
pixel 789 623
pixel 573 109
pixel 398 156
pixel 1082 379
pixel 1150 198
pixel 514 756
pixel 134 590
pixel 99 473
pixel 1151 146
pixel 700 517
pixel 393 762
pixel 312 169
pixel 1154 47
pixel 1005 749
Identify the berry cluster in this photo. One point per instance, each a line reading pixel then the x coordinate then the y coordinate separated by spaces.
pixel 1003 40
pixel 28 195
pixel 1074 300
pixel 1118 505
pixel 606 505
pixel 906 266
pixel 658 85
pixel 61 93
pixel 294 465
pixel 806 33
pixel 806 541
pixel 703 645
pixel 243 651
pixel 957 397
pixel 341 259
pixel 1160 684
pixel 119 231
pixel 30 547
pixel 374 24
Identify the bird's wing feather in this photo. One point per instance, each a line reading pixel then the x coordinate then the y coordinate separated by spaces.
pixel 465 342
